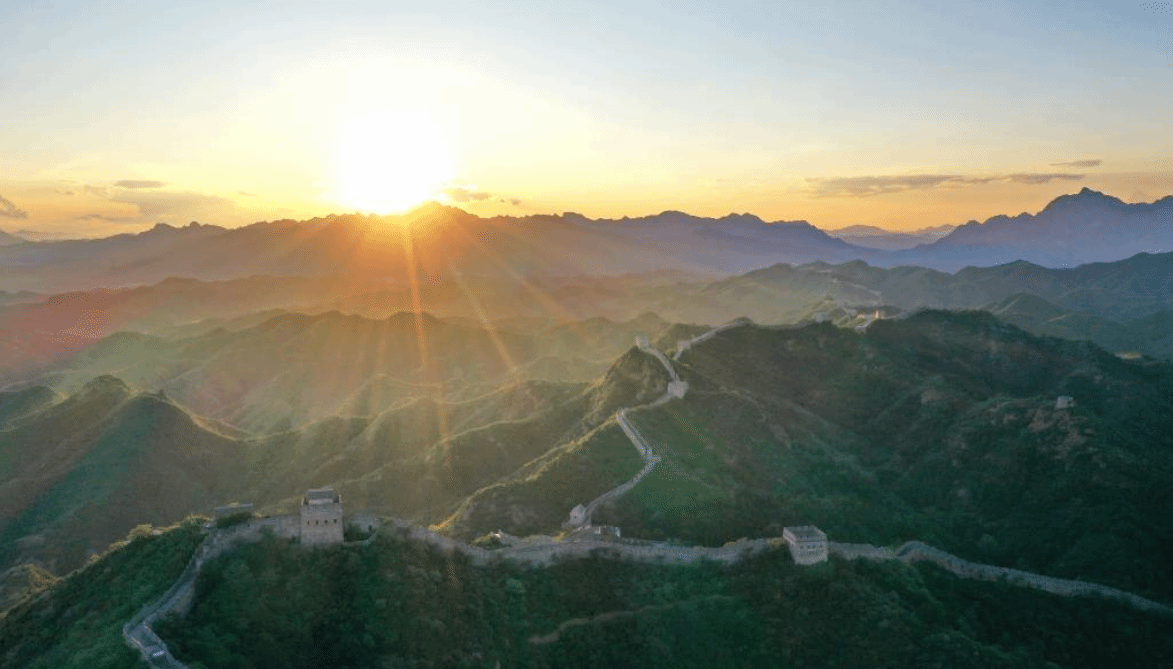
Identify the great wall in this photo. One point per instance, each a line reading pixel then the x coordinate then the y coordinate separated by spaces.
pixel 543 551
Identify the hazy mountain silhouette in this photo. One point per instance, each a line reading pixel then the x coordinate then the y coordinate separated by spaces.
pixel 872 237
pixel 423 245
pixel 292 369
pixel 8 239
pixel 435 243
pixel 1073 229
pixel 1123 290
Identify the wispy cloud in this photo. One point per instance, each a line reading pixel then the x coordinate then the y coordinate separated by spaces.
pixel 472 194
pixel 144 203
pixel 466 194
pixel 139 183
pixel 108 219
pixel 9 210
pixel 868 186
pixel 184 206
pixel 876 185
pixel 1041 178
pixel 1079 163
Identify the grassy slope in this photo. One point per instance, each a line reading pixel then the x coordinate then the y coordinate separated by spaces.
pixel 78 622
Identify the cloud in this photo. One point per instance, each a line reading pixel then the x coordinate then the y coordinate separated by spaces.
pixel 877 185
pixel 466 194
pixel 1041 178
pixel 142 204
pixel 472 194
pixel 887 184
pixel 1079 163
pixel 160 205
pixel 139 183
pixel 109 219
pixel 97 191
pixel 9 210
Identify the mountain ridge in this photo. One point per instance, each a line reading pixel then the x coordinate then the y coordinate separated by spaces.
pixel 436 240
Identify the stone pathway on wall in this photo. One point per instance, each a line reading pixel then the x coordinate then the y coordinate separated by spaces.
pixel 685 344
pixel 545 551
pixel 916 551
pixel 676 390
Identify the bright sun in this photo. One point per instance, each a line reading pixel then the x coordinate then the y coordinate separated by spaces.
pixel 391 162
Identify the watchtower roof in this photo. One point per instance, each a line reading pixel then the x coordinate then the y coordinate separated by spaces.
pixel 806 533
pixel 321 496
pixel 232 509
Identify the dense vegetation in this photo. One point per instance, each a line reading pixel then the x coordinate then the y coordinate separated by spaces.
pixel 78 622
pixel 396 603
pixel 941 427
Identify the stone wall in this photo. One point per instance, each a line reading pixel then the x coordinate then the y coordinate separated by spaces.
pixel 365 521
pixel 544 551
pixel 916 551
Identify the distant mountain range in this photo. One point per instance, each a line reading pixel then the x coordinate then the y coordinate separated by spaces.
pixel 1072 230
pixel 291 369
pixel 7 239
pixel 872 237
pixel 434 243
pixel 1122 305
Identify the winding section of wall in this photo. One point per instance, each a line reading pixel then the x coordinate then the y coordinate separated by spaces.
pixel 916 551
pixel 645 451
pixel 177 600
pixel 539 552
pixel 676 389
pixel 545 551
pixel 685 344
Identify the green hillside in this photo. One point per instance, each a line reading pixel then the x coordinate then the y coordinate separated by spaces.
pixel 1120 291
pixel 77 623
pixel 80 473
pixel 1150 335
pixel 941 426
pixel 395 602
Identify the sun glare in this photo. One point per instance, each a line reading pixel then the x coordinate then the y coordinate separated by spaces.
pixel 391 162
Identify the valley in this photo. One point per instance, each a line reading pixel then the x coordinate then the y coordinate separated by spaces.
pixel 1008 424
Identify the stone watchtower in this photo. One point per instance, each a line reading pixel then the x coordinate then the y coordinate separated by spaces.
pixel 321 517
pixel 808 544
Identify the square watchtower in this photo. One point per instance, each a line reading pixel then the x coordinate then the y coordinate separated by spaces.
pixel 321 517
pixel 808 544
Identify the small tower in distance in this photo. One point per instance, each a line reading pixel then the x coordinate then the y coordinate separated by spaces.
pixel 321 517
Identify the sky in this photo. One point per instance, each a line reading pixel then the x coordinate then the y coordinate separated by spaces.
pixel 117 115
